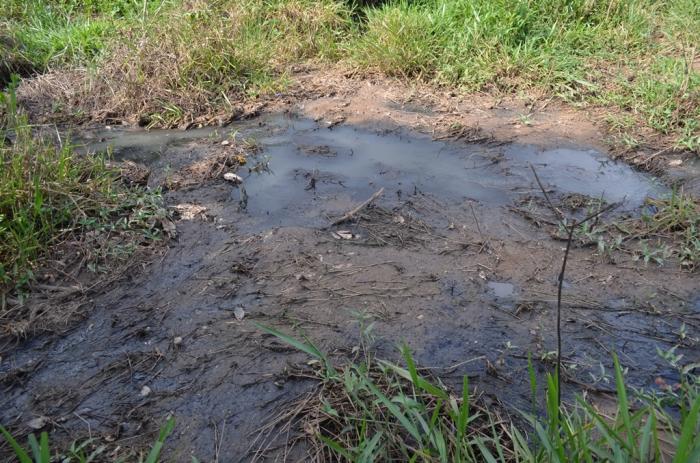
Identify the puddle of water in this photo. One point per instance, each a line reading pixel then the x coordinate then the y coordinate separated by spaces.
pixel 331 169
pixel 501 290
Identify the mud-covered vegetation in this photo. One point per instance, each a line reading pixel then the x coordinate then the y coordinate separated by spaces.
pixel 165 61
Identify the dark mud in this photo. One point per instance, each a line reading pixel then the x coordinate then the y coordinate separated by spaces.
pixel 441 262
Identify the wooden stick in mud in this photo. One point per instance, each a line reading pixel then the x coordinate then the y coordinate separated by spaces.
pixel 349 215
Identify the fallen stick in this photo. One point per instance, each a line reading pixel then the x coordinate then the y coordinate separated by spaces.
pixel 348 215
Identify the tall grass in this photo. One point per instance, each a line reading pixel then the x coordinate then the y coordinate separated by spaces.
pixel 49 193
pixel 635 56
pixel 204 57
pixel 66 32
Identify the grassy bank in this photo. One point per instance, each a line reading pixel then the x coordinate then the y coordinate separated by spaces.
pixel 173 60
pixel 634 57
pixel 53 199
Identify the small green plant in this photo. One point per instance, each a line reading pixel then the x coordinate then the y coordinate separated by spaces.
pixel 648 254
pixel 49 194
pixel 378 411
pixel 39 451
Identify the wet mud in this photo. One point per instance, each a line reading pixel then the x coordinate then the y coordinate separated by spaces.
pixel 441 261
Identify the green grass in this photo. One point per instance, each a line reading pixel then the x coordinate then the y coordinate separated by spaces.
pixel 632 56
pixel 167 61
pixel 40 451
pixel 217 53
pixel 55 33
pixel 49 194
pixel 378 411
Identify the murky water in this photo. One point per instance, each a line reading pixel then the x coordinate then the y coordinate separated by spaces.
pixel 308 167
pixel 501 290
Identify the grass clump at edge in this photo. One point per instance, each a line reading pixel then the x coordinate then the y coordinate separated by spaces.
pixel 217 54
pixel 377 411
pixel 50 194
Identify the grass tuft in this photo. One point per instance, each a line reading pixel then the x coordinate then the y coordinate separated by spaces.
pixel 378 411
pixel 50 195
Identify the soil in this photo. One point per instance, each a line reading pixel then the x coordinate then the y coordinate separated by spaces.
pixel 457 259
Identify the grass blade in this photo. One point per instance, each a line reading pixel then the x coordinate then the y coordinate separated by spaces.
pixel 623 404
pixel 20 453
pixel 306 347
pixel 688 442
pixel 165 431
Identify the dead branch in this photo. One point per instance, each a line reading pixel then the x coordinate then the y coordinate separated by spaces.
pixel 350 214
pixel 570 226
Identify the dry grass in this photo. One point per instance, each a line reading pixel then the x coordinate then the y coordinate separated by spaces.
pixel 203 58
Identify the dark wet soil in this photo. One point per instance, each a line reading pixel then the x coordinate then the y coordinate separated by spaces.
pixel 441 261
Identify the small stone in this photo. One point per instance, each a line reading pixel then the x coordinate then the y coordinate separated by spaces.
pixel 177 340
pixel 145 391
pixel 225 142
pixel 239 313
pixel 38 422
pixel 231 177
pixel 675 162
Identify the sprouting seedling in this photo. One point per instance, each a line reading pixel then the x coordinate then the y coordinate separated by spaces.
pixel 569 224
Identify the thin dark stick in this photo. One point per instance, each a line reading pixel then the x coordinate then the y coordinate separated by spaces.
pixel 571 228
pixel 477 222
pixel 559 213
pixel 560 286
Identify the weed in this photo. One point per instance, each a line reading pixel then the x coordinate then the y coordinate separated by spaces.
pixel 651 254
pixel 49 194
pixel 218 53
pixel 678 218
pixel 378 411
pixel 585 52
pixel 41 451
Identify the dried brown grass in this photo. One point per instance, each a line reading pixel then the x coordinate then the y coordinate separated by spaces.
pixel 202 59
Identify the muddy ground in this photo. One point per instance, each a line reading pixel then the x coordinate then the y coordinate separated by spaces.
pixel 456 258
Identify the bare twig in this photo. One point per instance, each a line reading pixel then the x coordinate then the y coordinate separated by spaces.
pixel 560 286
pixel 570 226
pixel 478 228
pixel 558 213
pixel 350 214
